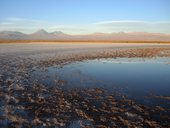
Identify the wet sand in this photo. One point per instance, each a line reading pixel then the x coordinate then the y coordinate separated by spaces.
pixel 29 103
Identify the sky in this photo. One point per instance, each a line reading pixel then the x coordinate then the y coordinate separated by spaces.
pixel 85 16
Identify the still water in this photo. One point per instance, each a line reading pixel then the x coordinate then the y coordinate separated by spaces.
pixel 137 78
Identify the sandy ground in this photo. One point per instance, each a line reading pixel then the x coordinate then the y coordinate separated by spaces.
pixel 44 48
pixel 56 53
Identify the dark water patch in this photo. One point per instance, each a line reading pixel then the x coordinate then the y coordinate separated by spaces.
pixel 137 78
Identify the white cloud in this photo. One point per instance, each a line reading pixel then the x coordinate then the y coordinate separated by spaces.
pixel 135 26
pixel 31 25
pixel 66 27
pixel 112 22
pixel 22 24
pixel 16 19
pixel 118 21
pixel 26 25
pixel 62 26
pixel 6 23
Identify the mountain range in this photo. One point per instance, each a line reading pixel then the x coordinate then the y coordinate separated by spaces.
pixel 58 35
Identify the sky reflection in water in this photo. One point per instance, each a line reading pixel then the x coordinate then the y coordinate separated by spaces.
pixel 137 78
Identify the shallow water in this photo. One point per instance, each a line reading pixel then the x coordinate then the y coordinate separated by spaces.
pixel 137 78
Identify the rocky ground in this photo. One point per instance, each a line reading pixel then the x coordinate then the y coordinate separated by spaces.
pixel 27 103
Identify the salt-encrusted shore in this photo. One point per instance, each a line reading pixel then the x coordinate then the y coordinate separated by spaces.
pixel 28 103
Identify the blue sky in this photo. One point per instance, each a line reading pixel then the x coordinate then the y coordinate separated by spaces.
pixel 85 16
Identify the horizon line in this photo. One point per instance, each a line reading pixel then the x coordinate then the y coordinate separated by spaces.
pixel 97 32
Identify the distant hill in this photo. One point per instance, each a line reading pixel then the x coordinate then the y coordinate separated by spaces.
pixel 58 35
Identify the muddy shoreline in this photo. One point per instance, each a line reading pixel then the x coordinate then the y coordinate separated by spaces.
pixel 29 103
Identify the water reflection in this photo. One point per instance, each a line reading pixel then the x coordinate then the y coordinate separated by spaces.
pixel 138 78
